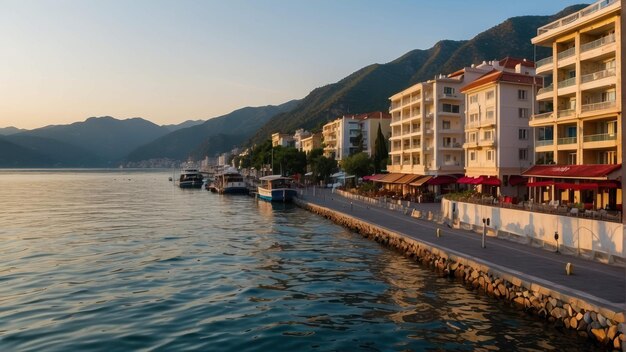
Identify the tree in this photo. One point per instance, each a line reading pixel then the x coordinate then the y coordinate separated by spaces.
pixel 323 168
pixel 380 154
pixel 289 161
pixel 358 164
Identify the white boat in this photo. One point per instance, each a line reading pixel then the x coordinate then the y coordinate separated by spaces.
pixel 190 178
pixel 230 182
pixel 277 188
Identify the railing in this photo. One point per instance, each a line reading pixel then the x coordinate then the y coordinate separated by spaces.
pixel 448 96
pixel 546 61
pixel 565 113
pixel 452 145
pixel 566 140
pixel 487 140
pixel 566 53
pixel 597 75
pixel 566 82
pixel 428 130
pixel 575 16
pixel 598 43
pixel 598 106
pixel 600 137
pixel 429 115
pixel 547 89
pixel 543 143
pixel 542 116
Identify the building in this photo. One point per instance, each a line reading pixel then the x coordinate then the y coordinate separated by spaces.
pixel 578 124
pixel 427 130
pixel 298 136
pixel 311 142
pixel 498 141
pixel 282 140
pixel 354 133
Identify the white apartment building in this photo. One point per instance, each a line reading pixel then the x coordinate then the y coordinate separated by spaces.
pixel 341 136
pixel 498 141
pixel 298 136
pixel 427 132
pixel 282 140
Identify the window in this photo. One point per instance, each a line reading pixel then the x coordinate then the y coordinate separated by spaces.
pixel 472 156
pixel 522 94
pixel 523 154
pixel 522 134
pixel 448 90
pixel 473 99
pixel 473 117
pixel 608 96
pixel 490 155
pixel 489 115
pixel 609 157
pixel 489 95
pixel 451 108
pixel 522 113
pixel 448 158
pixel 445 125
pixel 472 137
pixel 487 135
pixel 571 159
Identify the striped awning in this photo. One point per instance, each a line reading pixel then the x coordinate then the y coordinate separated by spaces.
pixel 420 181
pixel 390 178
pixel 407 178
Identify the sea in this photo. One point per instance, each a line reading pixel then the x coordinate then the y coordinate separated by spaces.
pixel 123 260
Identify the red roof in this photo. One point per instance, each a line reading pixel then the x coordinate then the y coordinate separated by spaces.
pixel 597 171
pixel 495 76
pixel 369 115
pixel 511 62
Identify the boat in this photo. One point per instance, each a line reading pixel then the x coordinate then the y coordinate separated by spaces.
pixel 230 181
pixel 277 188
pixel 190 178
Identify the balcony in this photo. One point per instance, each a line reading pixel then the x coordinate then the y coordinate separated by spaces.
pixel 566 140
pixel 452 145
pixel 597 75
pixel 541 117
pixel 565 113
pixel 566 83
pixel 544 62
pixel 609 39
pixel 587 11
pixel 545 90
pixel 544 142
pixel 566 53
pixel 489 142
pixel 449 96
pixel 598 106
pixel 600 137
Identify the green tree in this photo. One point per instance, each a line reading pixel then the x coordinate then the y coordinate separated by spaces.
pixel 380 154
pixel 289 161
pixel 358 164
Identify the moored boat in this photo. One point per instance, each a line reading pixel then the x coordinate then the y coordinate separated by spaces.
pixel 276 188
pixel 190 178
pixel 230 182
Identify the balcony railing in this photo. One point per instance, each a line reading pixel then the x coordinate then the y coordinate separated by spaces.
pixel 597 75
pixel 448 96
pixel 565 113
pixel 598 43
pixel 544 115
pixel 547 89
pixel 566 140
pixel 598 106
pixel 575 16
pixel 566 53
pixel 600 137
pixel 452 145
pixel 546 61
pixel 566 82
pixel 544 142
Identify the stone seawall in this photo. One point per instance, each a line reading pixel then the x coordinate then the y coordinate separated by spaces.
pixel 591 321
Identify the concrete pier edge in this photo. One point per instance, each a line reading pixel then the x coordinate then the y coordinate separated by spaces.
pixel 602 320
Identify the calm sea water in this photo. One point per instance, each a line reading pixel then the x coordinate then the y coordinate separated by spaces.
pixel 123 260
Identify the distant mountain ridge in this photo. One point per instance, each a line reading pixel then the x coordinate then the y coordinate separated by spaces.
pixel 7 131
pixel 369 88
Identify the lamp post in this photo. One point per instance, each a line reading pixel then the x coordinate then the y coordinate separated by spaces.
pixel 556 238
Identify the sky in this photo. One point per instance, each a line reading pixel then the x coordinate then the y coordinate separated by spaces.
pixel 63 61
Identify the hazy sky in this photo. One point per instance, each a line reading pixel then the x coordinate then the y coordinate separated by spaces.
pixel 169 61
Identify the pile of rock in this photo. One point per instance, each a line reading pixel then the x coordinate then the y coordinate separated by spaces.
pixel 610 332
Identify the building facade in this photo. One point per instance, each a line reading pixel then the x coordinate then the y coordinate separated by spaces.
pixel 578 122
pixel 298 136
pixel 314 141
pixel 282 140
pixel 354 133
pixel 498 140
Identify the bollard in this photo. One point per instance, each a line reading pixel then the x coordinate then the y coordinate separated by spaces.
pixel 350 206
pixel 569 269
pixel 438 232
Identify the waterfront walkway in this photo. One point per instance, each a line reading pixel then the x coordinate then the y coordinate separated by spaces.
pixel 596 283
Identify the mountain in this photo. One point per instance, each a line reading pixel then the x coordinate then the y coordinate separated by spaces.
pixel 13 155
pixel 369 88
pixel 188 123
pixel 56 153
pixel 106 138
pixel 6 131
pixel 212 137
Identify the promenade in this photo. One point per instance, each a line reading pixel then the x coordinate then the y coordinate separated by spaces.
pixel 596 283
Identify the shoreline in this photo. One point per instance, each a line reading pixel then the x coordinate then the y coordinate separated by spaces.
pixel 591 316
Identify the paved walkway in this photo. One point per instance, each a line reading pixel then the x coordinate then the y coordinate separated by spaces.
pixel 600 284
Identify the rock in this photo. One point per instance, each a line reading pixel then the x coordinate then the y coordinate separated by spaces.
pixel 475 274
pixel 612 332
pixel 622 328
pixel 573 323
pixel 596 325
pixel 583 334
pixel 552 301
pixel 594 316
pixel 568 308
pixel 557 312
pixel 519 301
pixel 566 322
pixel 525 294
pixel 542 312
pixel 489 289
pixel 601 320
pixel 600 335
pixel 579 316
pixel 549 306
pixel 587 318
pixel 617 344
pixel 481 281
pixel 582 326
pixel 619 317
pixel 527 304
pixel 558 323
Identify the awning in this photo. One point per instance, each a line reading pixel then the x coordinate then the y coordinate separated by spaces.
pixel 540 184
pixel 390 178
pixel 373 177
pixel 597 171
pixel 489 181
pixel 515 180
pixel 442 180
pixel 466 180
pixel 338 174
pixel 408 178
pixel 609 184
pixel 576 186
pixel 419 182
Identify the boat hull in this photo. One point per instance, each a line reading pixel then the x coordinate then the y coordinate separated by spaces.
pixel 190 184
pixel 277 195
pixel 234 190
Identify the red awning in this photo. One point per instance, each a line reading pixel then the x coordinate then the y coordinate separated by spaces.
pixel 441 180
pixel 597 171
pixel 610 184
pixel 540 184
pixel 489 181
pixel 465 180
pixel 515 180
pixel 373 177
pixel 576 186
